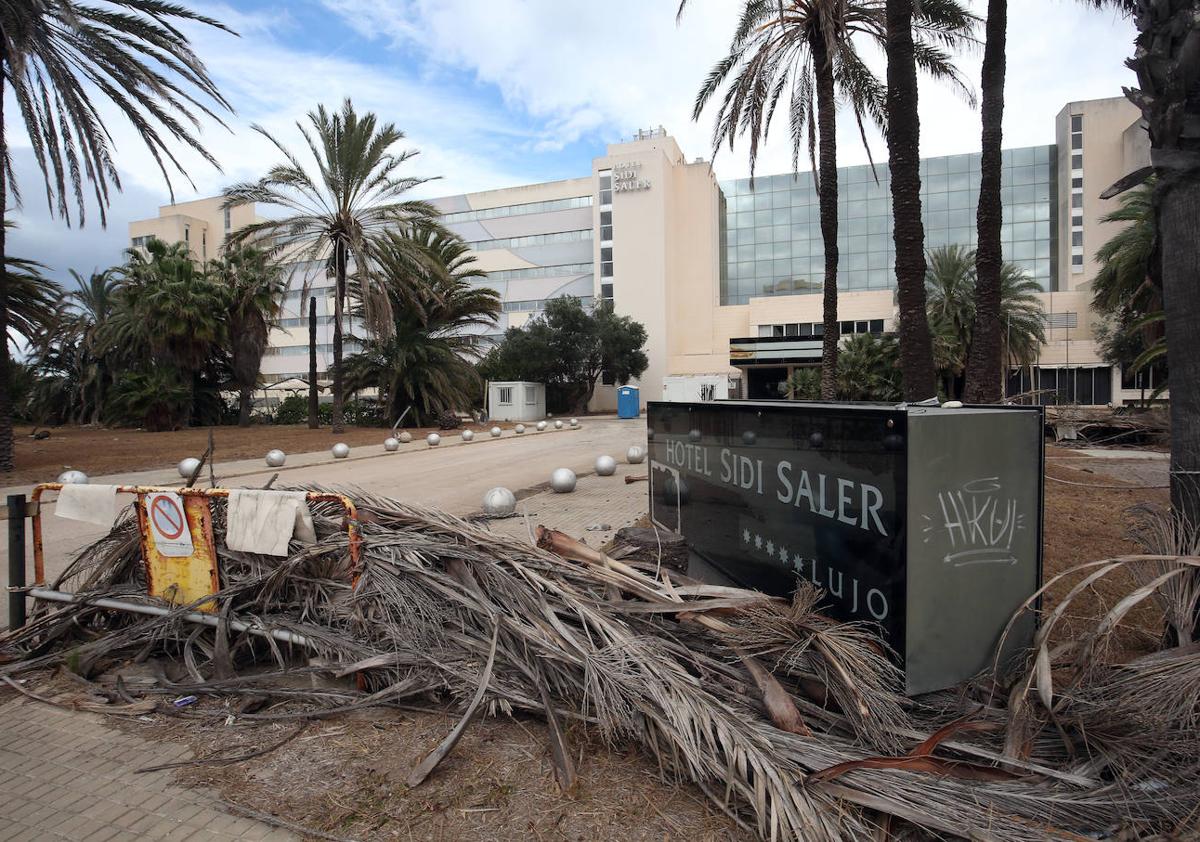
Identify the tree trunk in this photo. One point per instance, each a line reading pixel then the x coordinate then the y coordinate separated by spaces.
pixel 827 191
pixel 984 361
pixel 244 406
pixel 339 291
pixel 1178 201
pixel 6 409
pixel 904 161
pixel 314 402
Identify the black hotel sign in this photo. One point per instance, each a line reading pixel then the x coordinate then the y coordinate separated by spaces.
pixel 922 520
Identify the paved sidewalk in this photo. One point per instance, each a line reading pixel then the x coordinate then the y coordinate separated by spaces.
pixel 68 776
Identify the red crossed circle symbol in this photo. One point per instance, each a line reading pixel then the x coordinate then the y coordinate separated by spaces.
pixel 167 517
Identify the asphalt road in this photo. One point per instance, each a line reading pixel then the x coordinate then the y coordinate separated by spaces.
pixel 450 478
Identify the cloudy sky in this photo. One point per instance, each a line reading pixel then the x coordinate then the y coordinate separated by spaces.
pixel 504 92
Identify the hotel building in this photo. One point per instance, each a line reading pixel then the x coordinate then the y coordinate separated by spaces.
pixel 727 277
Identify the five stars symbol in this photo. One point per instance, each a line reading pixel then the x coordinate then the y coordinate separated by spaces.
pixel 783 553
pixel 758 541
pixel 770 548
pixel 746 536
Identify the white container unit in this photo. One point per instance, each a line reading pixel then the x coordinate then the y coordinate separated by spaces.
pixel 695 388
pixel 516 400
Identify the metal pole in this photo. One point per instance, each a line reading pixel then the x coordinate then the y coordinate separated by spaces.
pixel 16 560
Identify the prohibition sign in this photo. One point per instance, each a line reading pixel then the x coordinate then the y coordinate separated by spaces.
pixel 167 517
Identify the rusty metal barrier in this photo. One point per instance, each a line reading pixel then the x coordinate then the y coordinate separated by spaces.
pixel 39 570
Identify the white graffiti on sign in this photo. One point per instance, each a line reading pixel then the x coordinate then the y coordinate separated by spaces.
pixel 980 522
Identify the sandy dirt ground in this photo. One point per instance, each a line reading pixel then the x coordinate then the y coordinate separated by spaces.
pixel 98 451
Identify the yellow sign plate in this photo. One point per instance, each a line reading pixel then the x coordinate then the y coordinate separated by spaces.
pixel 182 580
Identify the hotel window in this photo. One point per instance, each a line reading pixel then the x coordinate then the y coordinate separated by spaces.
pixel 204 245
pixel 1076 162
pixel 606 292
pixel 606 189
pixel 606 226
pixel 187 234
pixel 228 223
pixel 506 395
pixel 1077 238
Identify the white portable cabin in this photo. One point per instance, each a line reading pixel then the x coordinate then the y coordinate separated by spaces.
pixel 516 400
pixel 695 388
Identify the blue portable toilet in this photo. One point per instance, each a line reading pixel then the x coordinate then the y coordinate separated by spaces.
pixel 628 402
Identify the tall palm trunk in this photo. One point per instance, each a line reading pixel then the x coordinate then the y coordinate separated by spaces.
pixel 1178 201
pixel 904 161
pixel 827 192
pixel 244 394
pixel 6 410
pixel 339 258
pixel 984 362
pixel 314 402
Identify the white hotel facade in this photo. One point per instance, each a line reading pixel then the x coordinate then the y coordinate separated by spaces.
pixel 727 279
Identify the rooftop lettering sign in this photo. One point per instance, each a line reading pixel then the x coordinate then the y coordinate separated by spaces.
pixel 628 176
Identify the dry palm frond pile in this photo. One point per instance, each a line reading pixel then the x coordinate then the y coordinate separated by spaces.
pixel 791 722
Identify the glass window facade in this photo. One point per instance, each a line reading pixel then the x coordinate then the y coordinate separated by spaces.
pixel 772 242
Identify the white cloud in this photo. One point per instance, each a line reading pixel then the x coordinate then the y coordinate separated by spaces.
pixel 611 67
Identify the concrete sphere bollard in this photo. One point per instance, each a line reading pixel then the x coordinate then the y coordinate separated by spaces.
pixel 520 428
pixel 468 435
pixel 499 502
pixel 391 445
pixel 558 425
pixel 73 478
pixel 433 439
pixel 635 455
pixel 562 481
pixel 405 437
pixel 606 466
pixel 188 466
pixel 341 450
pixel 276 458
pixel 496 432
pixel 541 425
pixel 574 422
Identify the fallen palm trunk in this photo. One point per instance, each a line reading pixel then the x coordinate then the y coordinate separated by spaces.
pixel 444 608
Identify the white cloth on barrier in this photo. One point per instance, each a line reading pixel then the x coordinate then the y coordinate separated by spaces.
pixel 265 521
pixel 90 503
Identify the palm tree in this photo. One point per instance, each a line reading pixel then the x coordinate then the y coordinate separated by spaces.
pixel 982 385
pixel 1127 289
pixel 58 56
pixel 868 371
pixel 950 284
pixel 1126 277
pixel 339 215
pixel 905 54
pixel 1167 65
pixel 426 360
pixel 254 291
pixel 169 307
pixel 31 299
pixel 809 50
pixel 95 301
